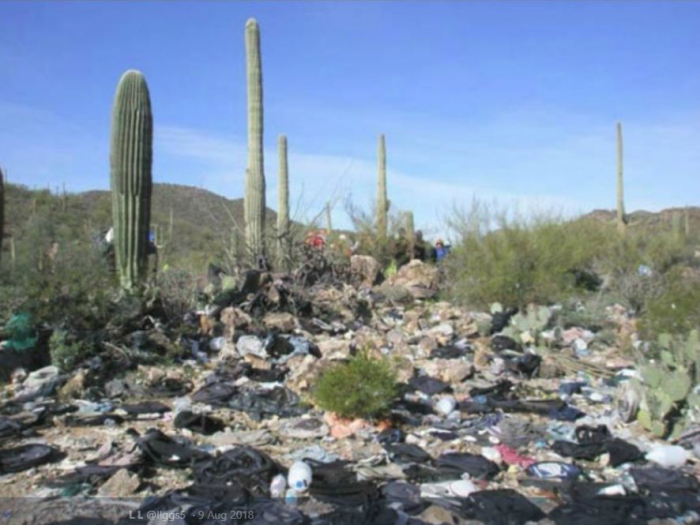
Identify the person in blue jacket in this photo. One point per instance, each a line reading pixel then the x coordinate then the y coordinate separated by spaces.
pixel 441 251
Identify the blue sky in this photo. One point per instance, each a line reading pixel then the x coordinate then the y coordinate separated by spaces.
pixel 514 101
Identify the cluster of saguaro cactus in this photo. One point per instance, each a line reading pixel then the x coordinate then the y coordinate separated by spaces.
pixel 668 397
pixel 254 201
pixel 621 218
pixel 283 233
pixel 131 158
pixel 382 201
pixel 2 209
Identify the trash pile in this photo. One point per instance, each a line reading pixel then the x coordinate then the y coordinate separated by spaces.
pixel 504 417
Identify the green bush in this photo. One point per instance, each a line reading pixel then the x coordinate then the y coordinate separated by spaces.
pixel 501 256
pixel 66 353
pixel 362 387
pixel 675 311
pixel 516 261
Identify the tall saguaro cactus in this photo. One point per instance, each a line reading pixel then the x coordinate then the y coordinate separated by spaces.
pixel 283 202
pixel 382 201
pixel 621 218
pixel 254 202
pixel 2 209
pixel 410 230
pixel 329 217
pixel 131 159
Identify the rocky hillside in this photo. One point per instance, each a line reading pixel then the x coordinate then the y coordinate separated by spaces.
pixel 653 221
pixel 202 220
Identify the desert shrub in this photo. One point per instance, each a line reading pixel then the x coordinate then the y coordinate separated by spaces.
pixel 366 233
pixel 675 311
pixel 177 291
pixel 59 279
pixel 362 387
pixel 498 256
pixel 66 352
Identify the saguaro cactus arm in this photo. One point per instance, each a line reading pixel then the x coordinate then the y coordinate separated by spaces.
pixel 131 159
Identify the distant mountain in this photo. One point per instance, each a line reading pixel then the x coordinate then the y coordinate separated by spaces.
pixel 652 221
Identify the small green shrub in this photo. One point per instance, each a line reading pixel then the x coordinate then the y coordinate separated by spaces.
pixel 675 311
pixel 66 353
pixel 362 387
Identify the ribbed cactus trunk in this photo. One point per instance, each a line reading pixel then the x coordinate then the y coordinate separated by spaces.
pixel 686 216
pixel 410 231
pixel 676 225
pixel 382 201
pixel 2 210
pixel 329 218
pixel 283 233
pixel 131 158
pixel 254 202
pixel 621 218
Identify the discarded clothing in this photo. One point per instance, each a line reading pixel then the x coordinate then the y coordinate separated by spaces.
pixel 553 470
pixel 449 352
pixel 216 393
pixel 279 401
pixel 390 436
pixel 596 441
pixel 27 456
pixel 456 463
pixel 601 510
pixel 517 432
pixel 93 475
pixel 242 467
pixel 500 507
pixel 200 423
pixel 659 479
pixel 429 385
pixel 526 364
pixel 170 387
pixel 501 390
pixel 406 495
pixel 166 451
pixel 406 453
pixel 147 407
pixel 333 483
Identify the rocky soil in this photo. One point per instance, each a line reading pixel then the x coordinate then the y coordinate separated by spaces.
pixel 533 426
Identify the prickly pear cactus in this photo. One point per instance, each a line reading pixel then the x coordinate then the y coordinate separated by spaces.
pixel 534 321
pixel 131 158
pixel 670 395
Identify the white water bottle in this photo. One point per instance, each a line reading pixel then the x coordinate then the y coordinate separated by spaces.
pixel 668 455
pixel 278 486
